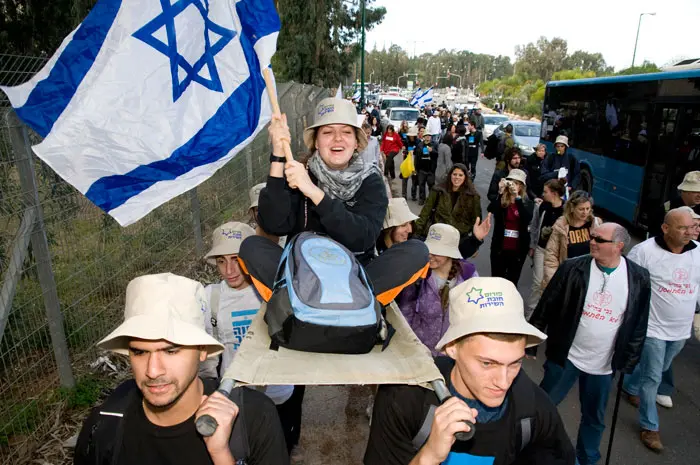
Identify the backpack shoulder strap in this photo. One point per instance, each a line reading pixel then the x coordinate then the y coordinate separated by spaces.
pixel 424 431
pixel 214 307
pixel 238 443
pixel 523 394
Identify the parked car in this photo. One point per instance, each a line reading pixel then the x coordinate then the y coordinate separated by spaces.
pixel 391 101
pixel 398 114
pixel 526 134
pixel 491 122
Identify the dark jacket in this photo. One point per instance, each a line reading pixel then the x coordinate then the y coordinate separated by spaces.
pixel 439 209
pixel 550 168
pixel 356 223
pixel 535 185
pixel 657 217
pixel 560 308
pixel 493 187
pixel 499 225
pixel 459 150
pixel 477 120
pixel 425 162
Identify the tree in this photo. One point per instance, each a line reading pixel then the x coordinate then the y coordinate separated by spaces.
pixel 319 39
pixel 585 61
pixel 646 67
pixel 543 58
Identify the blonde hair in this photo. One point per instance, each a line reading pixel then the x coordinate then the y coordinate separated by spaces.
pixel 576 199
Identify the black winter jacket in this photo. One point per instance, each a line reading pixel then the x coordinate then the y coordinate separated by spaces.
pixel 356 223
pixel 560 308
pixel 499 225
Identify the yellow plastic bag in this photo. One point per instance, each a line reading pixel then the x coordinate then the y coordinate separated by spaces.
pixel 407 167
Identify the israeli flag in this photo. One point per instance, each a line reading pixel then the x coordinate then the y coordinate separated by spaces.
pixel 414 99
pixel 356 96
pixel 147 99
pixel 424 99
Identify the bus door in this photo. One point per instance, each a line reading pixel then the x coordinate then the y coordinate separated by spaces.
pixel 662 138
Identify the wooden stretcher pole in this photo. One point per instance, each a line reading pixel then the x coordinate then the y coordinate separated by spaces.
pixel 272 93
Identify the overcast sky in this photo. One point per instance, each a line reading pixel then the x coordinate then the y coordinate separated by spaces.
pixel 495 28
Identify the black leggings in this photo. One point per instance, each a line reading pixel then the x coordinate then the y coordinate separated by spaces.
pixel 507 264
pixel 389 169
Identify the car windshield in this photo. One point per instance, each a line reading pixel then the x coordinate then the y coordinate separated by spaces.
pixel 408 115
pixel 393 103
pixel 494 119
pixel 529 130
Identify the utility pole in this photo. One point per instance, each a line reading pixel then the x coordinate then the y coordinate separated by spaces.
pixel 362 65
pixel 634 55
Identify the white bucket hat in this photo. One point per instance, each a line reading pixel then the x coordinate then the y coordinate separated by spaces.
pixel 254 194
pixel 335 111
pixel 691 182
pixel 163 306
pixel 227 239
pixel 443 240
pixel 488 305
pixel 398 213
pixel 562 140
pixel 517 175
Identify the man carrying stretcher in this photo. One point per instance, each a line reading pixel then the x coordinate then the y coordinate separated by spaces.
pixel 516 423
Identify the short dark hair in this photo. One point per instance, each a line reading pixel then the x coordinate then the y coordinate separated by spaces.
pixel 447 139
pixel 461 130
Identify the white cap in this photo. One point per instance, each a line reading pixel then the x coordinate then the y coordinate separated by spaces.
pixel 488 305
pixel 517 175
pixel 163 306
pixel 227 239
pixel 254 194
pixel 398 213
pixel 691 182
pixel 443 240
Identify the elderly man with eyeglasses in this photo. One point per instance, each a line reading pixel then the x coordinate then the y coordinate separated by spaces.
pixel 595 312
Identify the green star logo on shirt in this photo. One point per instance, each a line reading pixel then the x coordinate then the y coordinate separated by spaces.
pixel 474 295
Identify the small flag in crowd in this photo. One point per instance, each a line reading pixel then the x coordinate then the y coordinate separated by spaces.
pixel 414 99
pixel 423 99
pixel 147 99
pixel 356 96
pixel 339 93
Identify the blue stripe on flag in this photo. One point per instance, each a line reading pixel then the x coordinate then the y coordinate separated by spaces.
pixel 51 96
pixel 224 131
pixel 256 19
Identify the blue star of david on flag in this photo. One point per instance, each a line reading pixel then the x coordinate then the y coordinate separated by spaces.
pixel 193 72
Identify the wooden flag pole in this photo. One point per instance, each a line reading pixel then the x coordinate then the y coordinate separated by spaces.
pixel 270 85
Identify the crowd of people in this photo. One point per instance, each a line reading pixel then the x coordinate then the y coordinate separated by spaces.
pixel 602 312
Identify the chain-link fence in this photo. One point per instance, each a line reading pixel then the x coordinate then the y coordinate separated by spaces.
pixel 65 264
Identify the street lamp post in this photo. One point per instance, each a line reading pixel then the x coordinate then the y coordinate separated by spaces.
pixel 457 76
pixel 370 76
pixel 639 25
pixel 362 65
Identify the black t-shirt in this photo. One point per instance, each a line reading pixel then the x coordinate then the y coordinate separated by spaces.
pixel 473 144
pixel 399 412
pixel 549 216
pixel 579 240
pixel 147 444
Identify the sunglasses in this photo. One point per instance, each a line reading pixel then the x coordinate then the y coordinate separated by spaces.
pixel 600 240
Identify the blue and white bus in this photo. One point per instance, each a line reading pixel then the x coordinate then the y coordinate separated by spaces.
pixel 635 136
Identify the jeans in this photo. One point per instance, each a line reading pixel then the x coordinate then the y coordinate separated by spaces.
pixel 414 186
pixel 424 178
pixel 471 164
pixel 593 396
pixel 667 384
pixel 644 382
pixel 537 276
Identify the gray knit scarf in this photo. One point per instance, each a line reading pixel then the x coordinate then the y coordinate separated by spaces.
pixel 341 184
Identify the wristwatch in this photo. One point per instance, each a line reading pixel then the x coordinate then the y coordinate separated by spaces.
pixel 275 159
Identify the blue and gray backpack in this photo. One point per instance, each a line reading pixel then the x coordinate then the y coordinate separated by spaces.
pixel 322 300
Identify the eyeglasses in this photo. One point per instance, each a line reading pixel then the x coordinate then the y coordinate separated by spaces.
pixel 600 240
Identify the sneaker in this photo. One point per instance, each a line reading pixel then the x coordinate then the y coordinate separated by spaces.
pixel 652 439
pixel 297 455
pixel 634 401
pixel 664 401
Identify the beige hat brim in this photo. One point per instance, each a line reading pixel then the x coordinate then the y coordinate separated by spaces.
pixel 398 220
pixel 489 322
pixel 310 132
pixel 689 186
pixel 222 249
pixel 439 249
pixel 155 328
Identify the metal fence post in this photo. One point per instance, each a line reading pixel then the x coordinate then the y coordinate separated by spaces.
pixel 249 164
pixel 197 223
pixel 40 248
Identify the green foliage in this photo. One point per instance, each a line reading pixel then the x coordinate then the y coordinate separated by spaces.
pixel 319 39
pixel 87 391
pixel 645 68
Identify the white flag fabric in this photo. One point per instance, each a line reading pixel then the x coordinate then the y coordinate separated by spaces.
pixel 146 99
pixel 415 97
pixel 424 98
pixel 339 94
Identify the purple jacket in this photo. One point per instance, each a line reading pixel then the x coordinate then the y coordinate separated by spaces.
pixel 420 304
